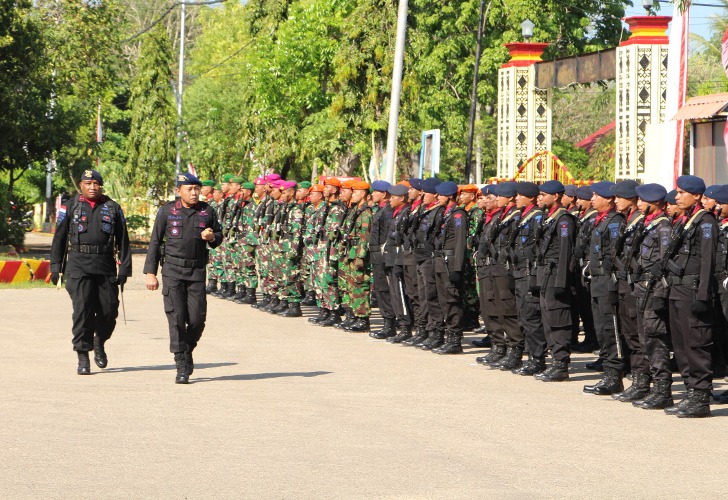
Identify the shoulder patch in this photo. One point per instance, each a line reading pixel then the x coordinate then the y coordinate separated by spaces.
pixel 707 231
pixel 613 230
pixel 61 214
pixel 564 228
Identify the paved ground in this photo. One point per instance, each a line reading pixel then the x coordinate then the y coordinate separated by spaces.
pixel 281 409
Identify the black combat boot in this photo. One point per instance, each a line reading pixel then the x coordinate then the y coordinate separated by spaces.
pixel 470 322
pixel 211 286
pixel 84 364
pixel 435 340
pixel 239 295
pixel 595 366
pixel 387 330
pixel 531 367
pixel 557 372
pixel 228 290
pixel 333 319
pixel 263 303
pixel 698 405
pixel 349 318
pixel 310 299
pixel 360 324
pixel 454 344
pixel 587 346
pixel 322 315
pixel 180 361
pixel 611 383
pixel 420 336
pixel 513 359
pixel 660 396
pixel 100 357
pixel 405 333
pixel 250 297
pixel 274 302
pixel 484 342
pixel 373 300
pixel 293 311
pixel 495 354
pixel 639 389
pixel 189 362
pixel 672 410
pixel 282 306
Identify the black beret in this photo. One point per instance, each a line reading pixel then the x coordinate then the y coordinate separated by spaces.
pixel 570 190
pixel 651 192
pixel 398 190
pixel 710 190
pixel 92 175
pixel 187 178
pixel 430 184
pixel 487 189
pixel 691 183
pixel 720 194
pixel 603 189
pixel 584 193
pixel 625 189
pixel 552 187
pixel 529 189
pixel 670 197
pixel 505 189
pixel 448 188
pixel 416 183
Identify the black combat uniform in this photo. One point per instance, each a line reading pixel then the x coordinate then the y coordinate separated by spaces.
pixel 394 266
pixel 581 306
pixel 409 269
pixel 377 239
pixel 177 245
pixel 486 289
pixel 90 233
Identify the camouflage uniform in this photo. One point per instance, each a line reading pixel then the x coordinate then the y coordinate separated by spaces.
pixel 290 250
pixel 325 263
pixel 262 220
pixel 214 266
pixel 471 301
pixel 356 231
pixel 311 218
pixel 247 243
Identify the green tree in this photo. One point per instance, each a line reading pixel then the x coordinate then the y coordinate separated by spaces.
pixel 151 142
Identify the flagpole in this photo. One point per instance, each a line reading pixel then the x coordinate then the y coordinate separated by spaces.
pixel 178 162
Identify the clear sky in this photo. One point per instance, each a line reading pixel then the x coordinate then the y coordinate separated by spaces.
pixel 698 14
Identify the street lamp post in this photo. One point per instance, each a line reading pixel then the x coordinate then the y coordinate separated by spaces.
pixel 527 29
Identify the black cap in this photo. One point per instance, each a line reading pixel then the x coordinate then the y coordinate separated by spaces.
pixel 92 175
pixel 187 178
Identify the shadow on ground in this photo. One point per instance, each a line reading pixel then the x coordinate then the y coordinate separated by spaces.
pixel 198 366
pixel 258 376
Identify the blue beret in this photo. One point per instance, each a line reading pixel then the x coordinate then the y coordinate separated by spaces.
pixel 603 189
pixel 720 194
pixel 691 183
pixel 430 184
pixel 448 188
pixel 584 193
pixel 570 190
pixel 625 189
pixel 381 186
pixel 488 189
pixel 651 192
pixel 670 197
pixel 552 187
pixel 398 190
pixel 529 189
pixel 505 189
pixel 710 190
pixel 416 183
pixel 92 175
pixel 187 178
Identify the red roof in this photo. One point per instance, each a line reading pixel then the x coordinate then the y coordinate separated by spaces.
pixel 588 142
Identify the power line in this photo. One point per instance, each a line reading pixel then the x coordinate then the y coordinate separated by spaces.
pixel 166 13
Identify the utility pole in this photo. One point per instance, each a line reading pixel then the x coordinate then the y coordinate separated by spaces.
pixel 474 95
pixel 396 91
pixel 178 168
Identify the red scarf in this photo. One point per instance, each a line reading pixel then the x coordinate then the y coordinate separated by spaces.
pixel 601 217
pixel 652 217
pixel 528 209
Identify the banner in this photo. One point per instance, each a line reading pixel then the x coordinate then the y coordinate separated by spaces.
pixel 677 72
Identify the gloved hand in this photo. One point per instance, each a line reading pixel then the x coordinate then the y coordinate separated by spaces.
pixel 561 293
pixel 535 289
pixel 54 278
pixel 359 263
pixel 698 307
pixel 120 280
pixel 659 304
pixel 613 299
pixel 456 277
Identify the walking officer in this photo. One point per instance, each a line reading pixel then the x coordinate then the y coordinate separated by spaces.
pixel 90 228
pixel 185 227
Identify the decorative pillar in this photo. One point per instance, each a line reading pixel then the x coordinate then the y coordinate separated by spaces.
pixel 641 91
pixel 524 112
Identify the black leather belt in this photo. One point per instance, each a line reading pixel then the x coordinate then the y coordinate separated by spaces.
pixel 688 279
pixel 444 253
pixel 98 249
pixel 190 263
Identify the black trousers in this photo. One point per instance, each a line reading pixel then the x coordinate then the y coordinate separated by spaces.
pixel 411 289
pixel 450 296
pixel 529 318
pixel 628 313
pixel 95 308
pixel 692 341
pixel 401 304
pixel 381 286
pixel 654 337
pixel 604 318
pixel 185 303
pixel 427 289
pixel 486 294
pixel 503 310
pixel 556 314
pixel 581 310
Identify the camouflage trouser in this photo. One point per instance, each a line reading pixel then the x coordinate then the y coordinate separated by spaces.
pixel 274 268
pixel 262 256
pixel 291 286
pixel 214 264
pixel 471 301
pixel 247 266
pixel 325 276
pixel 343 281
pixel 307 269
pixel 357 289
pixel 232 262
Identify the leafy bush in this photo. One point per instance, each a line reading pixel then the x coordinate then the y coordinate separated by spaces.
pixel 11 216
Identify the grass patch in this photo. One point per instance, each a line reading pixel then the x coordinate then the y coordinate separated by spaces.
pixel 25 285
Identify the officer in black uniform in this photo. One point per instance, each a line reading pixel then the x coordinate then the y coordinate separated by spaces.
pixel 377 239
pixel 450 244
pixel 690 272
pixel 581 307
pixel 607 228
pixel 721 269
pixel 554 276
pixel 90 228
pixel 182 231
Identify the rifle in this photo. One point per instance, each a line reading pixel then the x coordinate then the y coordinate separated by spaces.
pixel 634 228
